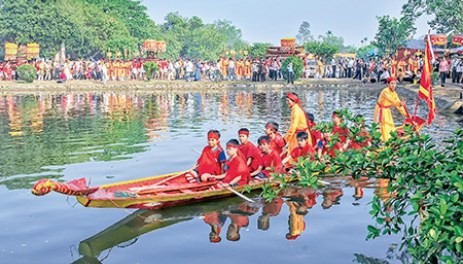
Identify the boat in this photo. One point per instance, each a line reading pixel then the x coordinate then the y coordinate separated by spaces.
pixel 155 192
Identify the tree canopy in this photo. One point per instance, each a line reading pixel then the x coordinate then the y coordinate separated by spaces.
pixel 447 14
pixel 392 33
pixel 93 27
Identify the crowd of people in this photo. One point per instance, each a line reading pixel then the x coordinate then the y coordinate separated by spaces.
pixel 246 69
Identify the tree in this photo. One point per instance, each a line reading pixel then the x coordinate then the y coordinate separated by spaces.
pixel 392 33
pixel 258 50
pixel 332 40
pixel 298 67
pixel 304 33
pixel 448 14
pixel 321 48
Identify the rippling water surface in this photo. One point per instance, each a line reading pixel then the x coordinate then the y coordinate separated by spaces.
pixel 109 137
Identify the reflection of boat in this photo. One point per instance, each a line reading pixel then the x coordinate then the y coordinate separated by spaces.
pixel 147 193
pixel 142 222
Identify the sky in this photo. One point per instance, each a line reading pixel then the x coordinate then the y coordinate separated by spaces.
pixel 271 20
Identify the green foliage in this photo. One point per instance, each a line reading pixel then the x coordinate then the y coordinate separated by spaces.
pixel 91 27
pixel 27 73
pixel 447 14
pixel 424 194
pixel 321 48
pixel 258 50
pixel 298 67
pixel 151 68
pixel 304 33
pixel 392 33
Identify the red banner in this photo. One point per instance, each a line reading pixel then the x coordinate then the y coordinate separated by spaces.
pixel 425 92
pixel 457 40
pixel 438 40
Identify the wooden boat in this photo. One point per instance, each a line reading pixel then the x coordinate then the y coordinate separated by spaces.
pixel 147 193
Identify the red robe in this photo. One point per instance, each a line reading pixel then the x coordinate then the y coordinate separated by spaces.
pixel 278 143
pixel 342 133
pixel 302 152
pixel 209 161
pixel 237 167
pixel 359 145
pixel 271 160
pixel 250 151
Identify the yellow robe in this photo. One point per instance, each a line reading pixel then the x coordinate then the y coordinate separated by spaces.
pixel 298 124
pixel 383 114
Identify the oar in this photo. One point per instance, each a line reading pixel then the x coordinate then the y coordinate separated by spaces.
pixel 242 196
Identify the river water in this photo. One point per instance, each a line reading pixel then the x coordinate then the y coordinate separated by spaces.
pixel 117 136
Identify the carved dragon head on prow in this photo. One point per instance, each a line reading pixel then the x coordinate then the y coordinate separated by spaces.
pixel 42 187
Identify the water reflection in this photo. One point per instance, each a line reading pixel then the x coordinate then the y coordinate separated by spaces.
pixel 41 134
pixel 225 220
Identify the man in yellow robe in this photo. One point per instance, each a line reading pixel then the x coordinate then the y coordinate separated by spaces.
pixel 298 122
pixel 383 115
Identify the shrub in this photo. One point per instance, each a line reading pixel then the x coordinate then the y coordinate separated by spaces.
pixel 26 73
pixel 298 67
pixel 150 68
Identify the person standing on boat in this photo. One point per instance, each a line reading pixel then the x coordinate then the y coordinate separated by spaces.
pixel 251 153
pixel 211 160
pixel 298 122
pixel 383 115
pixel 237 170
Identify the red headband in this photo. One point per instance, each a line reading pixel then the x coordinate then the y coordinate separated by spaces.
pixel 293 98
pixel 391 79
pixel 231 145
pixel 271 126
pixel 213 135
pixel 243 132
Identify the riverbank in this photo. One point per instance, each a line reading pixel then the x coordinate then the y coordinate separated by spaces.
pixel 447 98
pixel 17 88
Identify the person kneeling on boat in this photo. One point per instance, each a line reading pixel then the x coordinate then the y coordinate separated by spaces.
pixel 303 149
pixel 211 160
pixel 251 153
pixel 237 170
pixel 271 161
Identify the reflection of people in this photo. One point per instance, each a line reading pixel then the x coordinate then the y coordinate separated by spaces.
pixel 296 220
pixel 239 218
pixel 383 115
pixel 270 209
pixel 331 196
pixel 216 220
pixel 298 122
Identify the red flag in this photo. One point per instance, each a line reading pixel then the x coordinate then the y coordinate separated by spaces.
pixel 425 92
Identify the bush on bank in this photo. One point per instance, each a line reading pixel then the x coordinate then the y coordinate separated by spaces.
pixel 425 183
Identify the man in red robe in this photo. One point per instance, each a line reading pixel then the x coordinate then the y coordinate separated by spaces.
pixel 250 152
pixel 341 132
pixel 237 173
pixel 271 161
pixel 303 149
pixel 277 141
pixel 211 160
